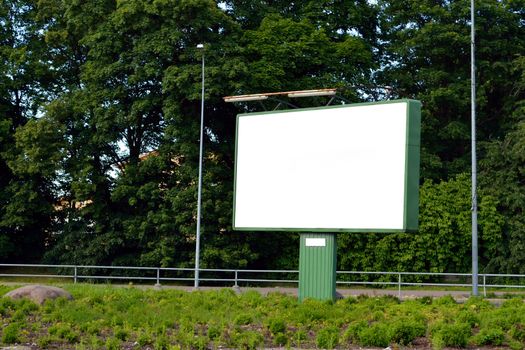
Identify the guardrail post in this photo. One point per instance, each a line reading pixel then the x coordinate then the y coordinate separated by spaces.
pixel 157 285
pixel 484 286
pixel 399 286
pixel 75 275
pixel 236 285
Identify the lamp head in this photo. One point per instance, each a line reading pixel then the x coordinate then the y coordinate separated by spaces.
pixel 200 46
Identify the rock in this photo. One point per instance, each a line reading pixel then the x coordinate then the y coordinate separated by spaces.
pixel 38 294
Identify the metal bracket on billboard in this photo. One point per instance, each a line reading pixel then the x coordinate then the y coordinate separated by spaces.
pixel 278 97
pixel 280 103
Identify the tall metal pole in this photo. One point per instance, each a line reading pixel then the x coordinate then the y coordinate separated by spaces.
pixel 199 185
pixel 474 158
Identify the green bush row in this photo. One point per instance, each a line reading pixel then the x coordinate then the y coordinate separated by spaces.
pixel 113 318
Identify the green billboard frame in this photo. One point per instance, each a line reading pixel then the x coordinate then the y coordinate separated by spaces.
pixel 411 181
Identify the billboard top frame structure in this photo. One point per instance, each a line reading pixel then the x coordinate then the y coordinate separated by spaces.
pixel 407 145
pixel 278 97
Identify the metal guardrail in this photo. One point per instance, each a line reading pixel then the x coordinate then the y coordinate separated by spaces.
pixel 162 274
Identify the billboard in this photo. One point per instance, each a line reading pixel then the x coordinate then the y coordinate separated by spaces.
pixel 348 168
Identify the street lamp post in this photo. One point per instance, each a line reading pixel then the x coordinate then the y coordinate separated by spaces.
pixel 474 158
pixel 199 185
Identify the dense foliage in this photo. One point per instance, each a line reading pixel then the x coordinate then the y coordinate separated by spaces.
pixel 99 124
pixel 116 318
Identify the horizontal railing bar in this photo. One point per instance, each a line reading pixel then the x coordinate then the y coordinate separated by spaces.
pixel 117 277
pixel 404 273
pixel 178 279
pixel 257 280
pixel 500 275
pixel 33 275
pixel 217 279
pixel 504 286
pixel 269 271
pixel 368 282
pixel 116 267
pixel 435 284
pixel 36 265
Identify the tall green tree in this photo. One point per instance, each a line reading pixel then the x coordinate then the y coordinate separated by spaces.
pixel 25 197
pixel 137 93
pixel 427 57
pixel 502 173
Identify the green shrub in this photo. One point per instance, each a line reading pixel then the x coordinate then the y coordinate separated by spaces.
pixel 64 331
pixel 478 304
pixel 117 321
pixel 95 342
pixel 161 342
pixel 3 310
pixel 299 337
pixel 426 300
pixel 18 316
pixel 214 332
pixel 11 333
pixel 503 318
pixel 494 336
pixel 517 331
pixel 144 339
pixel 22 308
pixel 352 332
pixel 404 330
pixel 186 326
pixel 276 325
pixel 184 338
pixel 251 298
pixel 446 334
pixel 280 339
pixel 112 343
pixel 515 345
pixel 513 303
pixel 327 338
pixel 312 311
pixel 93 328
pixel 377 316
pixel 242 319
pixel 247 340
pixel 199 343
pixel 44 342
pixel 347 301
pixel 6 306
pixel 446 300
pixel 376 335
pixel 121 334
pixel 468 316
pixel 26 305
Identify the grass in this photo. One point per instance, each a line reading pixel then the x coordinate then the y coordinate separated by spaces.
pixel 109 317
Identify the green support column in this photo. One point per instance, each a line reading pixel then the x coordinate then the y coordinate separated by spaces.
pixel 317 266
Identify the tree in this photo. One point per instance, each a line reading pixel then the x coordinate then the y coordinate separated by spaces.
pixel 502 174
pixel 137 94
pixel 25 200
pixel 442 243
pixel 427 56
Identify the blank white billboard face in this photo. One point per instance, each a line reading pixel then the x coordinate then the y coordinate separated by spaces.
pixel 350 168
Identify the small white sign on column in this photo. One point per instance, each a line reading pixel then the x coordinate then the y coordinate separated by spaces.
pixel 315 242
